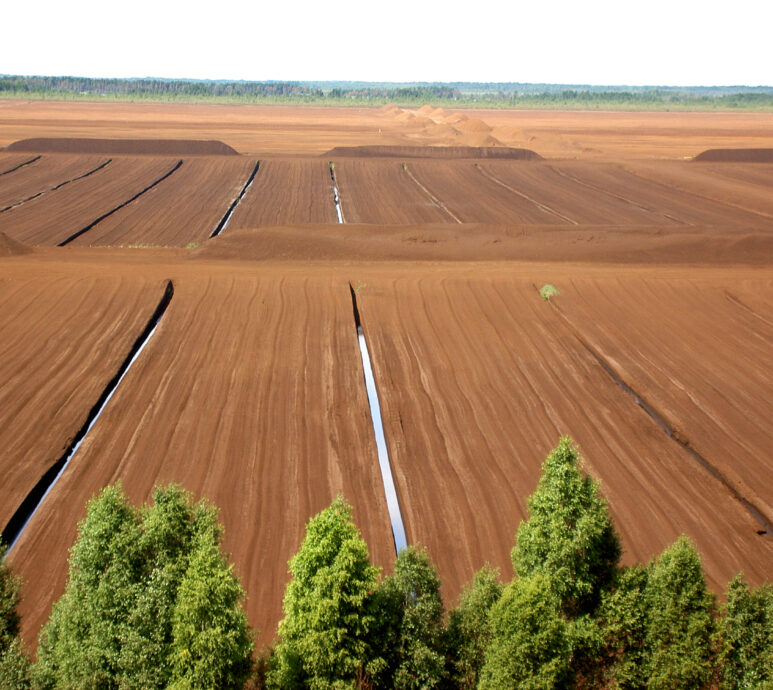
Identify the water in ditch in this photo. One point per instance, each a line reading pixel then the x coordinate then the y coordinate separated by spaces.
pixel 393 505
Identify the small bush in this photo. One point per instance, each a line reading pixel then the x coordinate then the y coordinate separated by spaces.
pixel 547 291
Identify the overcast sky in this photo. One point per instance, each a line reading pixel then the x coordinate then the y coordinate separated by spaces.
pixel 675 42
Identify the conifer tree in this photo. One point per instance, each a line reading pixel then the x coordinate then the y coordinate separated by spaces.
pixel 324 637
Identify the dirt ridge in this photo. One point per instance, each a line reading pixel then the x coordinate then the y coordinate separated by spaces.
pixel 501 152
pixel 131 147
pixel 735 156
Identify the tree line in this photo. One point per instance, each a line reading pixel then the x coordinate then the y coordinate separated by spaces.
pixel 455 94
pixel 151 602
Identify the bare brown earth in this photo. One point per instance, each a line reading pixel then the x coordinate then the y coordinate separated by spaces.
pixel 478 378
pixel 249 394
pixel 382 192
pixel 46 173
pixel 282 130
pixel 63 339
pixel 185 208
pixel 287 191
pixel 55 216
pixel 251 391
pixel 9 247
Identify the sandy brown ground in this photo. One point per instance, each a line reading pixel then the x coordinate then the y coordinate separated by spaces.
pixel 263 130
pixel 63 340
pixel 249 394
pixel 43 175
pixel 55 216
pixel 186 207
pixel 251 391
pixel 287 192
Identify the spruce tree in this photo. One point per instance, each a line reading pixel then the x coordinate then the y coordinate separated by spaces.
pixel 530 639
pixel 680 625
pixel 411 633
pixel 569 536
pixel 469 631
pixel 126 615
pixel 325 635
pixel 746 632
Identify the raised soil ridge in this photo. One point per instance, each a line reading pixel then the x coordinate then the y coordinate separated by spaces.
pixel 131 147
pixel 500 152
pixel 735 156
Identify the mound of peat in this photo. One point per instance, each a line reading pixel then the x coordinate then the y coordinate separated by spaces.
pixel 735 156
pixel 500 152
pixel 131 147
pixel 10 247
pixel 484 242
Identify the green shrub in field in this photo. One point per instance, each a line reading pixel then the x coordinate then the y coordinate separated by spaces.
pixel 547 291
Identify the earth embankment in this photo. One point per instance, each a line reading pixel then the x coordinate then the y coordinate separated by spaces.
pixel 126 147
pixel 443 152
pixel 736 156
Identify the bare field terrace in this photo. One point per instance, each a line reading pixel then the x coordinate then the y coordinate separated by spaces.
pixel 251 390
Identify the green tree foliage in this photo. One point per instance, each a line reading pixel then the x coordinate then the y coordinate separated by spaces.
pixel 149 603
pixel 14 664
pixel 469 631
pixel 14 667
pixel 680 620
pixel 412 637
pixel 746 632
pixel 530 643
pixel 9 600
pixel 324 638
pixel 569 537
pixel 623 621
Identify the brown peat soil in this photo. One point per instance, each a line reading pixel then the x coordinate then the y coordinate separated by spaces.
pixel 251 393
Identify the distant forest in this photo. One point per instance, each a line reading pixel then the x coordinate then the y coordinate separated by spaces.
pixel 451 94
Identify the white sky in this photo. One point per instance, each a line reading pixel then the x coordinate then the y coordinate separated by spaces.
pixel 675 42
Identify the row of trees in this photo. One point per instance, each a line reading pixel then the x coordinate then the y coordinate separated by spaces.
pixel 451 94
pixel 151 602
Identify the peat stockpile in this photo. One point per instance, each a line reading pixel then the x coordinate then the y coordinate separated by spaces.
pixel 500 152
pixel 131 147
pixel 735 156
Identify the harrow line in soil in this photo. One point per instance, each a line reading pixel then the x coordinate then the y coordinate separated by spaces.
pixel 620 197
pixel 80 232
pixel 435 201
pixel 390 491
pixel 34 499
pixel 56 186
pixel 542 207
pixel 224 220
pixel 661 420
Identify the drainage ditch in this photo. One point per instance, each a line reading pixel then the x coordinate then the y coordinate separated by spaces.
pixel 21 165
pixel 766 529
pixel 224 220
pixel 120 206
pixel 336 195
pixel 16 525
pixel 390 491
pixel 57 186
